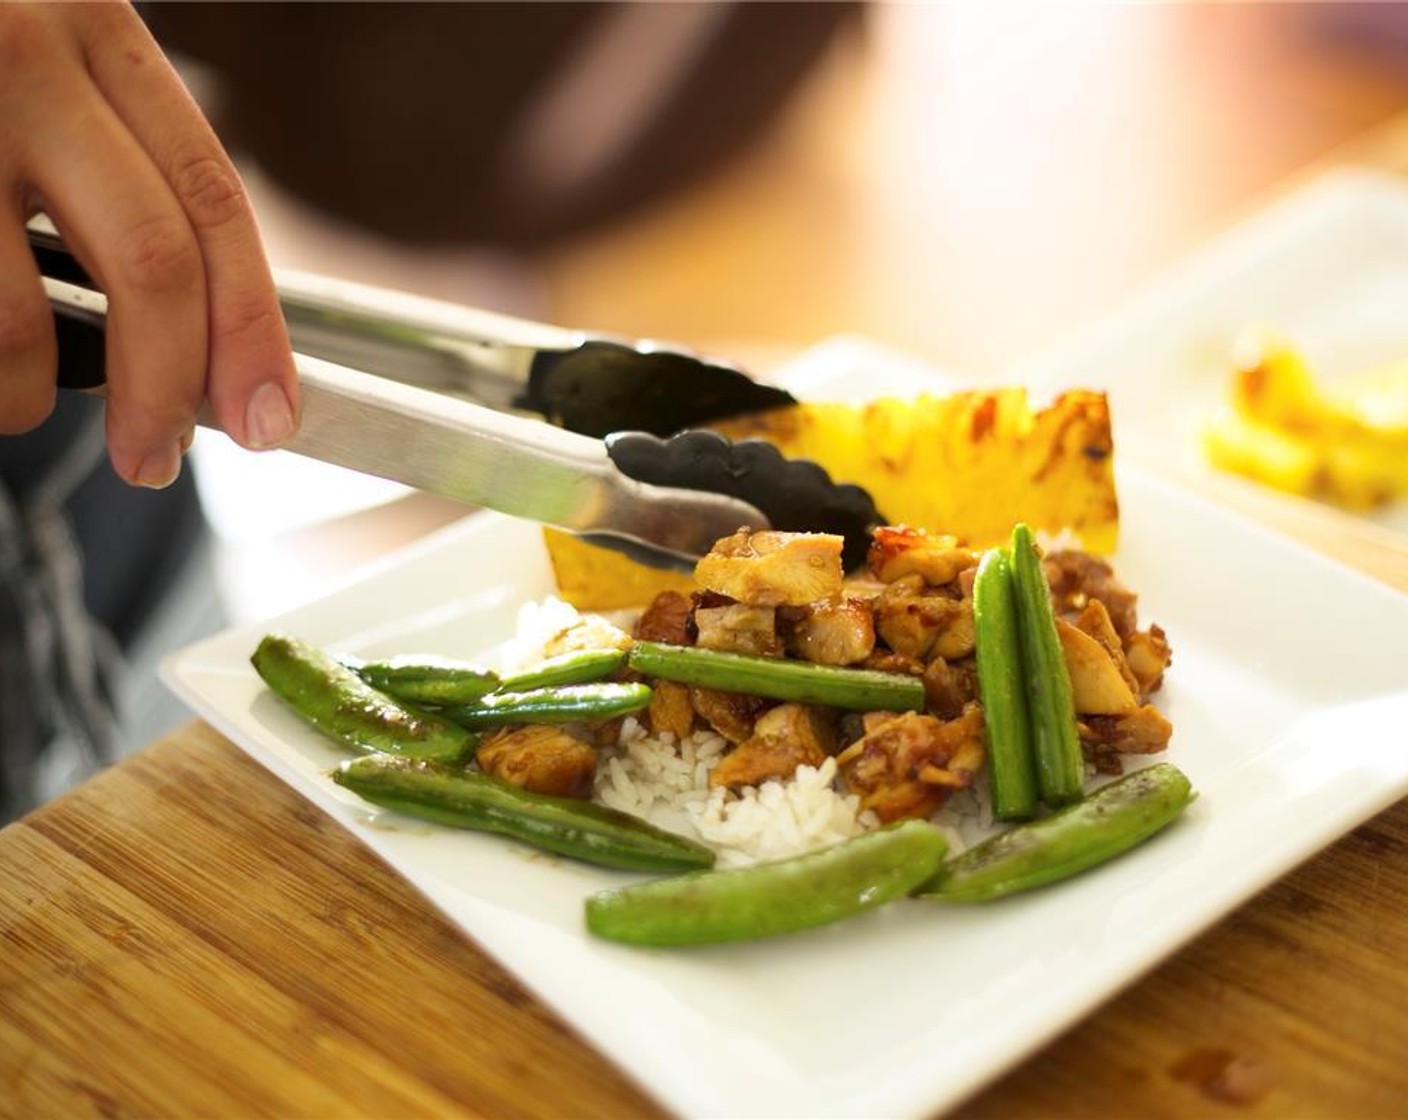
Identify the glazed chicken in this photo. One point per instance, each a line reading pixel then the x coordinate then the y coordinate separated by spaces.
pixel 1105 739
pixel 1077 577
pixel 539 758
pixel 784 738
pixel 896 552
pixel 915 620
pixel 948 687
pixel 778 594
pixel 667 619
pixel 833 633
pixel 737 628
pixel 771 569
pixel 1114 666
pixel 671 709
pixel 909 764
pixel 731 714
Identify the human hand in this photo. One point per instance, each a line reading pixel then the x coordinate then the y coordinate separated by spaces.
pixel 98 132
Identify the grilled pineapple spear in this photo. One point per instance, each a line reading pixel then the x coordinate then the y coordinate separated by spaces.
pixel 968 465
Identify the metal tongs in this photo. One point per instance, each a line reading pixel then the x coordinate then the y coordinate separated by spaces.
pixel 583 432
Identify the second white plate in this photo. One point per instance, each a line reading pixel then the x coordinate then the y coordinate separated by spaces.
pixel 1327 267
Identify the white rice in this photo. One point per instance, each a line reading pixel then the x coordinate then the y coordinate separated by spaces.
pixel 667 782
pixel 542 623
pixel 539 622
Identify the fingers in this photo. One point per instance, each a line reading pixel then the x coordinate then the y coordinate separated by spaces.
pixel 27 353
pixel 95 126
pixel 120 218
pixel 252 386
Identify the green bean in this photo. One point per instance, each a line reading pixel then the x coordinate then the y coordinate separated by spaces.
pixel 584 703
pixel 1060 767
pixel 581 667
pixel 1001 684
pixel 429 680
pixel 862 690
pixel 472 800
pixel 339 703
pixel 772 898
pixel 1110 821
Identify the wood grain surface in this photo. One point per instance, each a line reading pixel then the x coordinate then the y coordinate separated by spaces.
pixel 184 935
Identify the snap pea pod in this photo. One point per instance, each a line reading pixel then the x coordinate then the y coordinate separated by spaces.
pixel 339 703
pixel 1060 768
pixel 863 690
pixel 772 898
pixel 429 680
pixel 472 800
pixel 1001 684
pixel 580 703
pixel 581 667
pixel 1110 821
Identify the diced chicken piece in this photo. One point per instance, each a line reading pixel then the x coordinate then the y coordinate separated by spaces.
pixel 910 621
pixel 871 721
pixel 1096 683
pixel 909 765
pixel 738 628
pixel 957 637
pixel 1094 620
pixel 1077 577
pixel 1143 731
pixel 1146 730
pixel 1086 586
pixel 967 759
pixel 897 551
pixel 731 714
pixel 671 710
pixel 784 738
pixel 772 569
pixel 1148 655
pixel 666 620
pixel 949 686
pixel 1103 757
pixel 806 723
pixel 964 582
pixel 539 758
pixel 834 633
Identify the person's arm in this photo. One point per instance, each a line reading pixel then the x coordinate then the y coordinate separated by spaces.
pixel 98 132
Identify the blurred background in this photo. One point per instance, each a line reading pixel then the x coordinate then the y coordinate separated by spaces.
pixel 968 181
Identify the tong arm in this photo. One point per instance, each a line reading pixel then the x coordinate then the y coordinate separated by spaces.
pixel 512 464
pixel 450 446
pixel 480 355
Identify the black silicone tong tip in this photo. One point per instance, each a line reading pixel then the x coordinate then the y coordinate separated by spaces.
pixel 602 387
pixel 796 495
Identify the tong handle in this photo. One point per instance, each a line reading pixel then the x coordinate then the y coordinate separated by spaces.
pixel 371 329
pixel 588 383
pixel 79 318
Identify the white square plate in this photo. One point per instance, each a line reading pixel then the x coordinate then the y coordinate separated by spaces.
pixel 1327 266
pixel 1288 698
